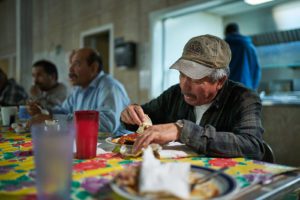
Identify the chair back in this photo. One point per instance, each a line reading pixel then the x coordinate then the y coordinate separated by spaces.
pixel 269 154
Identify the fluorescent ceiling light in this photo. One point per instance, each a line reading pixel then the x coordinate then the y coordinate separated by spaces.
pixel 256 2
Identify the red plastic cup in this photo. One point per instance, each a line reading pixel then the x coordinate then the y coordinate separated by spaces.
pixel 86 123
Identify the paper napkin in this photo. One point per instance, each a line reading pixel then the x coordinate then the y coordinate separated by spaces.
pixel 176 150
pixel 159 177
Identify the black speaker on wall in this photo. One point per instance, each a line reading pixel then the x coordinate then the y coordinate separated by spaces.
pixel 125 54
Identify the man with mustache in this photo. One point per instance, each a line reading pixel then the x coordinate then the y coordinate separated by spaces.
pixel 93 90
pixel 46 92
pixel 209 113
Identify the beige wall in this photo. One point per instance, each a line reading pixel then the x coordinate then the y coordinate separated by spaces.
pixel 60 22
pixel 7 27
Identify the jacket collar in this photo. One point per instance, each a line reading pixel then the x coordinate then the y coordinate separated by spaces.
pixel 220 98
pixel 94 82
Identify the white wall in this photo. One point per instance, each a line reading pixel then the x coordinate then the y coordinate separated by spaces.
pixel 176 32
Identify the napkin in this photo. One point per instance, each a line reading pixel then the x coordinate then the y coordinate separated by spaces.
pixel 156 177
pixel 176 150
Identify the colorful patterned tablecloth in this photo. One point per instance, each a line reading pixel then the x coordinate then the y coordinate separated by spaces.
pixel 91 177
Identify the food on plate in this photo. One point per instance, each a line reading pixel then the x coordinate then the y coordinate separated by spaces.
pixel 128 179
pixel 19 127
pixel 127 139
pixel 206 190
pixel 146 124
pixel 126 150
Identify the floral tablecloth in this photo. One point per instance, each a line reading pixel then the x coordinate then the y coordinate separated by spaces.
pixel 91 177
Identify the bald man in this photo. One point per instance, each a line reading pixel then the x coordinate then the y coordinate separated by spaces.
pixel 93 90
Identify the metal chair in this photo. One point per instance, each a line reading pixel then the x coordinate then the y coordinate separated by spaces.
pixel 269 154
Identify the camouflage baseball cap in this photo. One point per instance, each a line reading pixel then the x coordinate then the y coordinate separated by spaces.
pixel 201 55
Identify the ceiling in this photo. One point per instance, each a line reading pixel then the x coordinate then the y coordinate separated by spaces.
pixel 232 7
pixel 238 6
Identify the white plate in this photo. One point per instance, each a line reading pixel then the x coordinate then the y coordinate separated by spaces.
pixel 225 184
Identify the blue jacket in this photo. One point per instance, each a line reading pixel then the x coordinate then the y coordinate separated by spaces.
pixel 244 66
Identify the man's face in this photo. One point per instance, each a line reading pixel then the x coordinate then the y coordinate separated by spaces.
pixel 41 78
pixel 80 73
pixel 197 92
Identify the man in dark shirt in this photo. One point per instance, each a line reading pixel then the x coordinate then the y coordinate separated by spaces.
pixel 11 93
pixel 206 111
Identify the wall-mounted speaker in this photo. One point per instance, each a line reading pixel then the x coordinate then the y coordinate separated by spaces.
pixel 125 54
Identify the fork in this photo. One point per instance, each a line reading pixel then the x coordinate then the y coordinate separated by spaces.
pixel 207 177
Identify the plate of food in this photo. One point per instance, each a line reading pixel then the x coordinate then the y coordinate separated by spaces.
pixel 20 127
pixel 127 139
pixel 126 184
pixel 124 144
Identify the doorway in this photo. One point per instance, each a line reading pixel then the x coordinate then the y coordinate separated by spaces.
pixel 101 39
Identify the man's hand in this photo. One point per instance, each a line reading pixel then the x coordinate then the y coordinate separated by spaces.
pixel 133 114
pixel 33 108
pixel 35 91
pixel 160 134
pixel 37 119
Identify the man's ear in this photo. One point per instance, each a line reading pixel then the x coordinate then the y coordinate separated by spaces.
pixel 95 68
pixel 221 82
pixel 53 77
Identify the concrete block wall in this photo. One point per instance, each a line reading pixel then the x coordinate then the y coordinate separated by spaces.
pixel 61 22
pixel 58 23
pixel 8 28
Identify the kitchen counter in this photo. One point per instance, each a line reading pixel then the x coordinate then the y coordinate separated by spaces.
pixel 289 99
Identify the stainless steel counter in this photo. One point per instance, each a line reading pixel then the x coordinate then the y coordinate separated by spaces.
pixel 290 98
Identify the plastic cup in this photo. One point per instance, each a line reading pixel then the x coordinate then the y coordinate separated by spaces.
pixel 86 123
pixel 23 113
pixel 8 114
pixel 53 156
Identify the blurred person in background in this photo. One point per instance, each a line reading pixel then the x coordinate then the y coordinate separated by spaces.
pixel 244 66
pixel 11 93
pixel 93 90
pixel 46 92
pixel 214 116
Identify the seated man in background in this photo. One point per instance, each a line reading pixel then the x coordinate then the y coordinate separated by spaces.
pixel 46 92
pixel 94 90
pixel 11 93
pixel 206 111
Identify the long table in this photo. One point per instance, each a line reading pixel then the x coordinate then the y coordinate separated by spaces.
pixel 91 177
